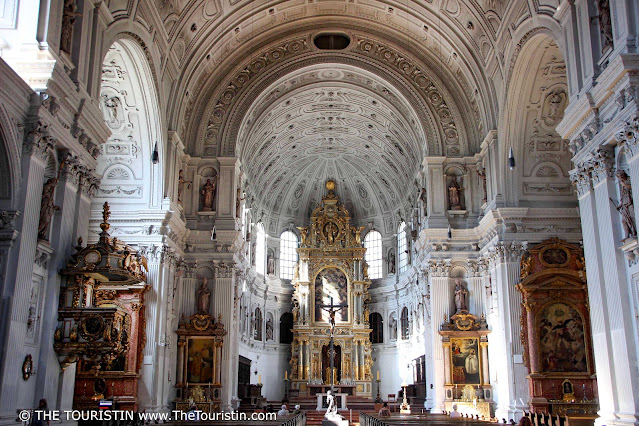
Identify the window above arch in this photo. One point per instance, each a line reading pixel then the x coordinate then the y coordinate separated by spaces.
pixel 402 248
pixel 288 254
pixel 373 256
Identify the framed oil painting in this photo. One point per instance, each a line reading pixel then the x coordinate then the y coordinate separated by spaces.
pixel 331 282
pixel 199 360
pixel 562 346
pixel 465 361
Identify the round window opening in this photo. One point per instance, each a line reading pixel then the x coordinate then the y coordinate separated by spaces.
pixel 332 41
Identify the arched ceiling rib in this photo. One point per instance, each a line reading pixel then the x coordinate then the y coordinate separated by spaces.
pixel 344 124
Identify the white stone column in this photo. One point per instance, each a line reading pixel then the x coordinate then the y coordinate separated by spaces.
pixel 511 385
pixel 14 391
pixel 440 300
pixel 610 297
pixel 226 192
pixel 225 306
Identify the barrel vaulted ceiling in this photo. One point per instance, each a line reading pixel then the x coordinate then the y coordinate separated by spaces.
pixel 331 121
pixel 419 78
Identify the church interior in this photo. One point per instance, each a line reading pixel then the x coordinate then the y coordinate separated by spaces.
pixel 235 204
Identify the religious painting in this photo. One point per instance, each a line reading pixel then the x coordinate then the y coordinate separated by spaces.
pixel 331 283
pixel 465 361
pixel 554 257
pixel 561 338
pixel 199 362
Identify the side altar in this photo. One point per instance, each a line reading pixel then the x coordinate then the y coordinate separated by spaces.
pixel 331 343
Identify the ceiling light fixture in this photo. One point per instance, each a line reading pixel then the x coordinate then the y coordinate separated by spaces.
pixel 511 159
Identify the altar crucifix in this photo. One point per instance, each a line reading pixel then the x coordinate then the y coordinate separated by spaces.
pixel 331 320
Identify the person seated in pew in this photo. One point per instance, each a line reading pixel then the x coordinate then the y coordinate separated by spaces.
pixel 455 413
pixel 384 411
pixel 525 421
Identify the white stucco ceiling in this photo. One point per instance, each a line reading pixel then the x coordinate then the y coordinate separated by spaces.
pixel 329 121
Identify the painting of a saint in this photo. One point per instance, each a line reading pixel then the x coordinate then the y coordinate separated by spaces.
pixel 331 282
pixel 199 365
pixel 465 361
pixel 561 338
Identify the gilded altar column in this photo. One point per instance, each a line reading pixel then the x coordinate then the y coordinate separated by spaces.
pixel 218 364
pixel 485 378
pixel 308 360
pixel 448 376
pixel 356 359
pixel 180 361
pixel 362 362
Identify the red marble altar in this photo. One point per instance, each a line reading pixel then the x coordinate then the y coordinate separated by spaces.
pixel 556 328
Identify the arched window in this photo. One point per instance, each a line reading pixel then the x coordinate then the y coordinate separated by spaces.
pixel 257 331
pixel 373 256
pixel 377 333
pixel 260 250
pixel 288 254
pixel 404 321
pixel 402 249
pixel 286 328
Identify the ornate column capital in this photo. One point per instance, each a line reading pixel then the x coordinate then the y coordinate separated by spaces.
pixel 603 165
pixel 38 141
pixel 580 177
pixel 628 137
pixel 439 268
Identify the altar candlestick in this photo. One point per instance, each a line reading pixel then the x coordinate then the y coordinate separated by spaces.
pixel 377 374
pixel 286 375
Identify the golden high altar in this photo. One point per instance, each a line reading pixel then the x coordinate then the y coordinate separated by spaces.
pixel 331 270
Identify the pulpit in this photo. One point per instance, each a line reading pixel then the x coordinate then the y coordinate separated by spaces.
pixel 101 320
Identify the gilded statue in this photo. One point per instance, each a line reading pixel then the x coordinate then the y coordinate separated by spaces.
pixel 526 265
pixel 203 297
pixel 460 295
pixel 47 207
pixel 303 235
pixel 208 195
pixel 364 269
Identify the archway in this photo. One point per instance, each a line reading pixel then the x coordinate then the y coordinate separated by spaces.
pixel 537 97
pixel 130 175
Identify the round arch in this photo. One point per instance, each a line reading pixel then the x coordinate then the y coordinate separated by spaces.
pixel 536 99
pixel 131 110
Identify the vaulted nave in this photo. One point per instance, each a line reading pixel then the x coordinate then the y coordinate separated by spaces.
pixel 231 205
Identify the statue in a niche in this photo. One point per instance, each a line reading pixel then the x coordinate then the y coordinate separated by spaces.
pixel 203 297
pixel 454 194
pixel 460 296
pixel 391 263
pixel 269 329
pixel 270 263
pixel 423 201
pixel 69 15
pixel 605 24
pixel 626 207
pixel 482 175
pixel 47 207
pixel 208 195
pixel 181 182
pixel 393 328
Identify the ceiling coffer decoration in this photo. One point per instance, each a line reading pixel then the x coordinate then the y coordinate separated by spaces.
pixel 101 318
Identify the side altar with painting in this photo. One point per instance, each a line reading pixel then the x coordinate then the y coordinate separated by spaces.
pixel 465 344
pixel 199 358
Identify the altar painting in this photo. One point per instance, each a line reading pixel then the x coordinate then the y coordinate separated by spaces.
pixel 331 282
pixel 465 361
pixel 561 338
pixel 199 363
